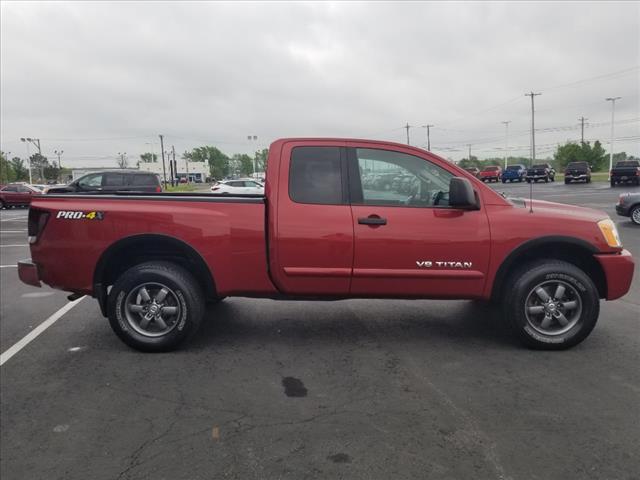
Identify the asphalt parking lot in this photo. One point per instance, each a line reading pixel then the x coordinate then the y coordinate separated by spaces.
pixel 351 389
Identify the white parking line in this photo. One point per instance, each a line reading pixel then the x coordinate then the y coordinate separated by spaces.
pixel 33 334
pixel 22 245
pixel 13 219
pixel 8 266
pixel 12 231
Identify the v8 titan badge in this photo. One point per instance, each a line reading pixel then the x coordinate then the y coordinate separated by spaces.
pixel 80 215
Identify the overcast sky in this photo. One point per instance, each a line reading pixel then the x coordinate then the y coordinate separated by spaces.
pixel 94 79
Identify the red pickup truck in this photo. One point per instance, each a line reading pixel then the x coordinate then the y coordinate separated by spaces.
pixel 153 260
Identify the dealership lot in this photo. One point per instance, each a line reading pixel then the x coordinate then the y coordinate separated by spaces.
pixel 350 389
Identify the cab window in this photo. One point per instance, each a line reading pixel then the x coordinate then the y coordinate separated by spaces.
pixel 94 180
pixel 315 176
pixel 397 179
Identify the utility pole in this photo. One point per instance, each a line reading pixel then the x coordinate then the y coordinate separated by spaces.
pixel 164 168
pixel 469 145
pixel 407 126
pixel 428 127
pixel 582 119
pixel 506 142
pixel 533 127
pixel 186 164
pixel 175 165
pixel 613 114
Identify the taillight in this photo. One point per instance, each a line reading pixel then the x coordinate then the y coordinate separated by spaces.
pixel 158 189
pixel 620 199
pixel 213 189
pixel 36 223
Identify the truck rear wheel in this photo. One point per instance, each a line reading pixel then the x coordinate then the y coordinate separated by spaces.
pixel 155 306
pixel 553 305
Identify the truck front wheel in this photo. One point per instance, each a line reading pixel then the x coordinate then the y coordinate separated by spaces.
pixel 155 306
pixel 553 306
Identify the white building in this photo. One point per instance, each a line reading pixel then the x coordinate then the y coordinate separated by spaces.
pixel 194 171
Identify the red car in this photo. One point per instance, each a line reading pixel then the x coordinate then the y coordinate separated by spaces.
pixel 153 260
pixel 17 195
pixel 490 174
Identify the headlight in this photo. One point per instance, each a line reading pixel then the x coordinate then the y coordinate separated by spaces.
pixel 610 233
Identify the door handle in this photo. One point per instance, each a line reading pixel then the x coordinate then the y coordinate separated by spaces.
pixel 372 220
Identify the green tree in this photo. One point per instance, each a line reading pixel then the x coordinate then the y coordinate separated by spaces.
pixel 242 164
pixel 20 172
pixel 148 157
pixel 575 152
pixel 260 158
pixel 6 171
pixel 52 171
pixel 218 161
pixel 39 163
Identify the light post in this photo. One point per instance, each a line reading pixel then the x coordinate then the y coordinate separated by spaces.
pixel 613 115
pixel 506 142
pixel 255 166
pixel 27 141
pixel 59 154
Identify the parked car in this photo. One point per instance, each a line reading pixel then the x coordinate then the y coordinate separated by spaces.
pixel 514 173
pixel 473 171
pixel 629 206
pixel 490 174
pixel 112 181
pixel 541 171
pixel 626 171
pixel 17 195
pixel 577 172
pixel 238 187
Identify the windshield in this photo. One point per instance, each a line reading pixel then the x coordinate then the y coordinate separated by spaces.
pixel 577 165
pixel 491 169
pixel 540 166
pixel 628 163
pixel 514 167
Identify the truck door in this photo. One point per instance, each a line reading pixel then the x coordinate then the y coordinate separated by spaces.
pixel 408 241
pixel 313 231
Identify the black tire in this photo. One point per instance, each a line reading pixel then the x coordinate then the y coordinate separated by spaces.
pixel 547 273
pixel 546 179
pixel 634 214
pixel 184 295
pixel 566 182
pixel 613 184
pixel 504 181
pixel 589 180
pixel 1 204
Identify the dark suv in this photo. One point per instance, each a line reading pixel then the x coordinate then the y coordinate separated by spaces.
pixel 577 171
pixel 113 181
pixel 541 171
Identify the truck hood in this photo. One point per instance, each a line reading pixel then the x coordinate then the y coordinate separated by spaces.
pixel 561 209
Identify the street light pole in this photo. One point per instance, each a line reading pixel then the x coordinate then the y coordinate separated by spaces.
pixel 613 114
pixel 164 168
pixel 59 154
pixel 255 160
pixel 506 142
pixel 27 141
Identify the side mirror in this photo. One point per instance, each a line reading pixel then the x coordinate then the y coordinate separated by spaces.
pixel 461 194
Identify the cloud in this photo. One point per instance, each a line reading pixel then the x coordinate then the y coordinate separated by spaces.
pixel 75 73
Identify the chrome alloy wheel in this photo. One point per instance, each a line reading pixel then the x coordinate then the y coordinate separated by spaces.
pixel 152 309
pixel 553 307
pixel 635 215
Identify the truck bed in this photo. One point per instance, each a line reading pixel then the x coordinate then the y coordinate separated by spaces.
pixel 226 231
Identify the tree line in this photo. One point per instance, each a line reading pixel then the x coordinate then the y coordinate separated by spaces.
pixel 220 164
pixel 594 155
pixel 17 170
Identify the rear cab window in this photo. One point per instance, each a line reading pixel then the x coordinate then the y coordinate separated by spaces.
pixel 316 176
